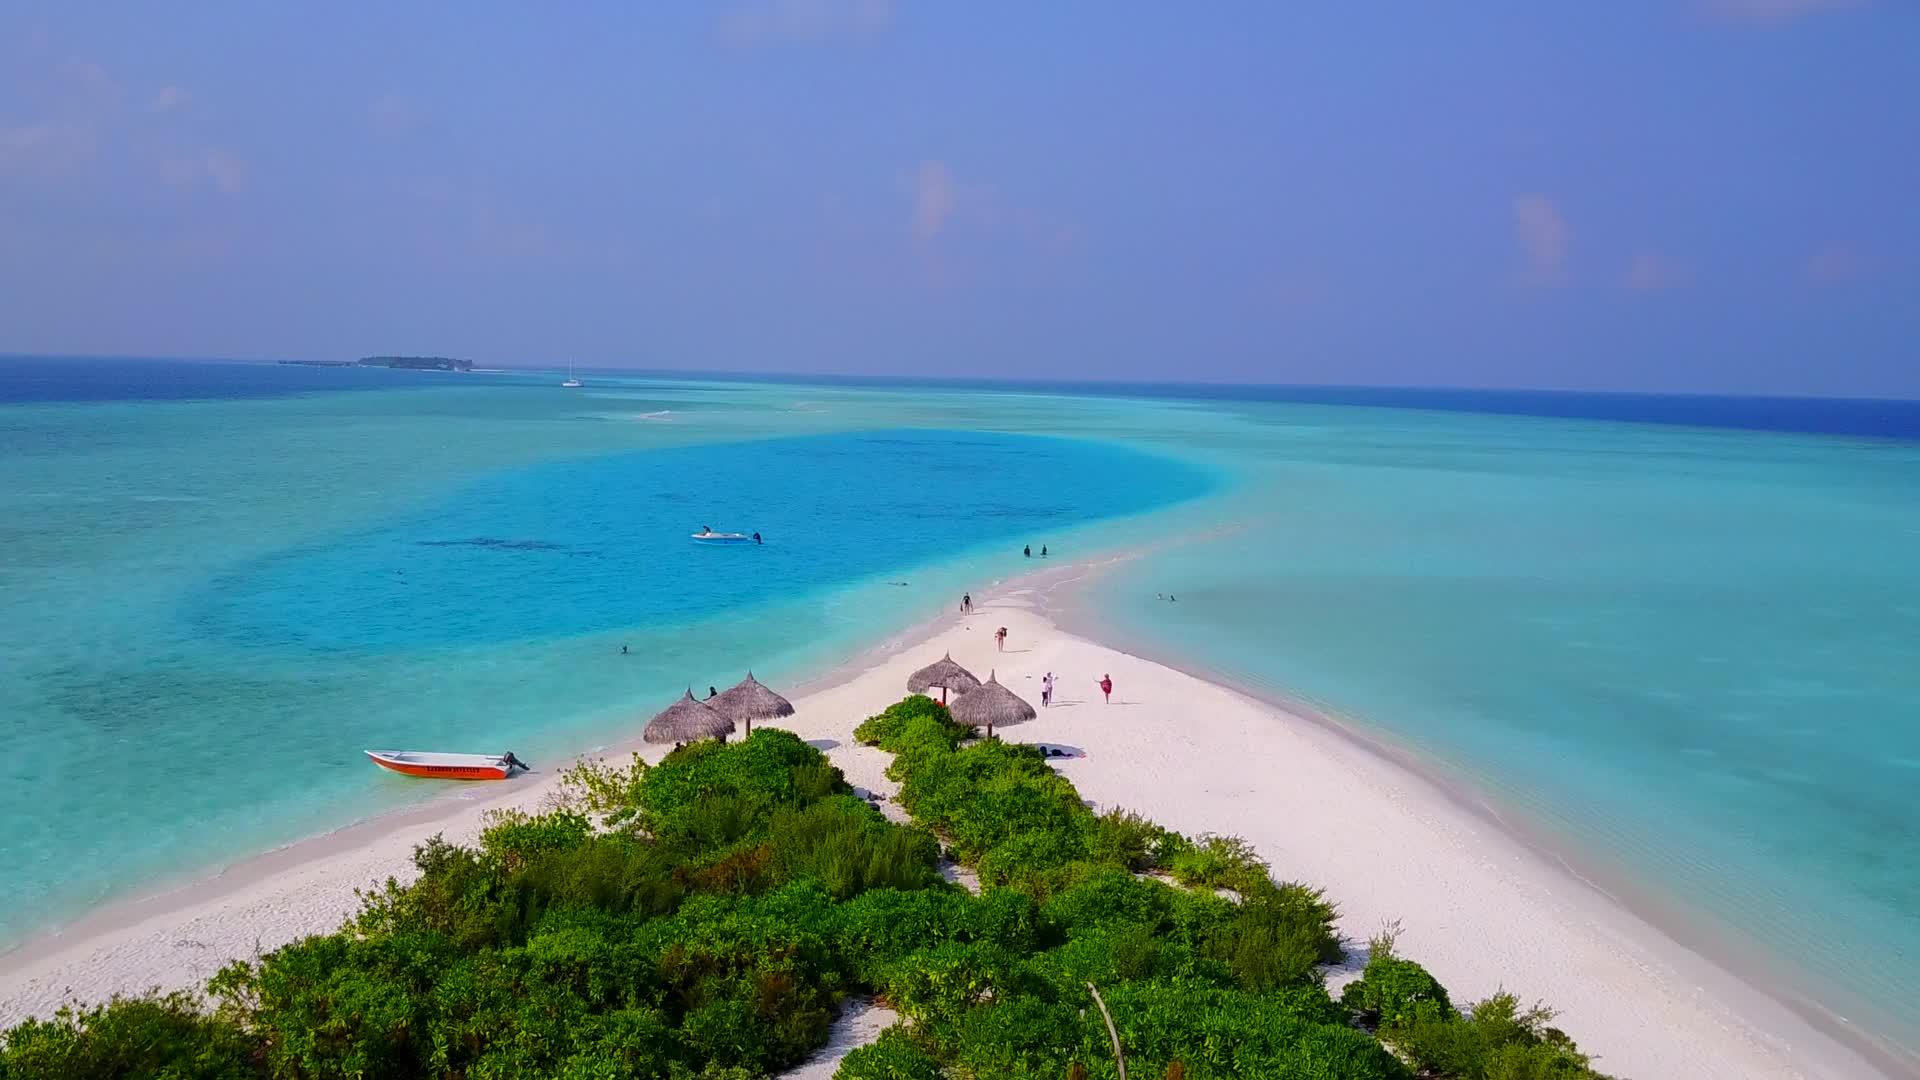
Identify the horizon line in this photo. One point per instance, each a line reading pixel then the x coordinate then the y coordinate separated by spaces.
pixel 992 382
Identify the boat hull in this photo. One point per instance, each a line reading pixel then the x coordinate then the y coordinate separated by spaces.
pixel 721 538
pixel 433 770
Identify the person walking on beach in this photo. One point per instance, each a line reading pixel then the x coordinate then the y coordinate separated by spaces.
pixel 1027 551
pixel 1106 689
pixel 1043 551
pixel 966 604
pixel 1046 690
pixel 1000 640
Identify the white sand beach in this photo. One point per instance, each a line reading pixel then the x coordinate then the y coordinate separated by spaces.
pixel 1475 905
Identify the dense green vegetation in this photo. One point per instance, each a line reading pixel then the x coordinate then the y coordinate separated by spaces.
pixel 705 918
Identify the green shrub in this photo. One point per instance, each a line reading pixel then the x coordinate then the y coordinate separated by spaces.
pixel 1016 804
pixel 812 783
pixel 752 986
pixel 713 1071
pixel 1018 1036
pixel 1392 992
pixel 850 848
pixel 166 1036
pixel 888 729
pixel 893 1056
pixel 727 1031
pixel 616 874
pixel 622 1043
pixel 1126 953
pixel 939 985
pixel 1280 938
pixel 1220 862
pixel 1494 1040
pixel 1006 919
pixel 452 896
pixel 594 963
pixel 1107 899
pixel 877 928
pixel 1039 864
pixel 1126 839
pixel 1218 1032
pixel 1199 917
pixel 709 794
pixel 512 837
pixel 597 788
pixel 340 1006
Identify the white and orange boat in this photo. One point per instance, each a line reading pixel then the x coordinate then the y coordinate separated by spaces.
pixel 448 766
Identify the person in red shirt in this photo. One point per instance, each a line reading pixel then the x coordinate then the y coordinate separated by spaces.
pixel 1106 688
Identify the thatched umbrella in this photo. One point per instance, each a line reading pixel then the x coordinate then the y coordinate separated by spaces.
pixel 991 704
pixel 749 701
pixel 946 675
pixel 687 720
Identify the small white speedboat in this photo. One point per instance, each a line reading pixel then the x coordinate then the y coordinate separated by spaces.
pixel 447 766
pixel 709 537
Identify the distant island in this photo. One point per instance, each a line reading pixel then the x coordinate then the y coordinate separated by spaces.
pixel 416 363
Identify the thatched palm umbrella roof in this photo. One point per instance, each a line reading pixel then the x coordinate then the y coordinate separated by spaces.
pixel 946 675
pixel 750 701
pixel 991 704
pixel 687 720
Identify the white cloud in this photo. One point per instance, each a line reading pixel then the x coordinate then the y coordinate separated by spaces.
pixel 168 99
pixel 1774 11
pixel 1542 234
pixel 1834 264
pixel 227 172
pixel 76 100
pixel 1651 273
pixel 89 82
pixel 217 169
pixel 21 143
pixel 934 199
pixel 48 148
pixel 769 21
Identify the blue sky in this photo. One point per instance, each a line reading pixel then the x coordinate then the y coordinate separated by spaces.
pixel 1718 195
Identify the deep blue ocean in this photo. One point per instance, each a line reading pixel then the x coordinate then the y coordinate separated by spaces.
pixel 53 379
pixel 25 378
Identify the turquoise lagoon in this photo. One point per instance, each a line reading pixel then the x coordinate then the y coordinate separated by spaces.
pixel 208 608
pixel 1686 657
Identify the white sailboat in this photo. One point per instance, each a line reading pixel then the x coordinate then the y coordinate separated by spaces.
pixel 572 383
